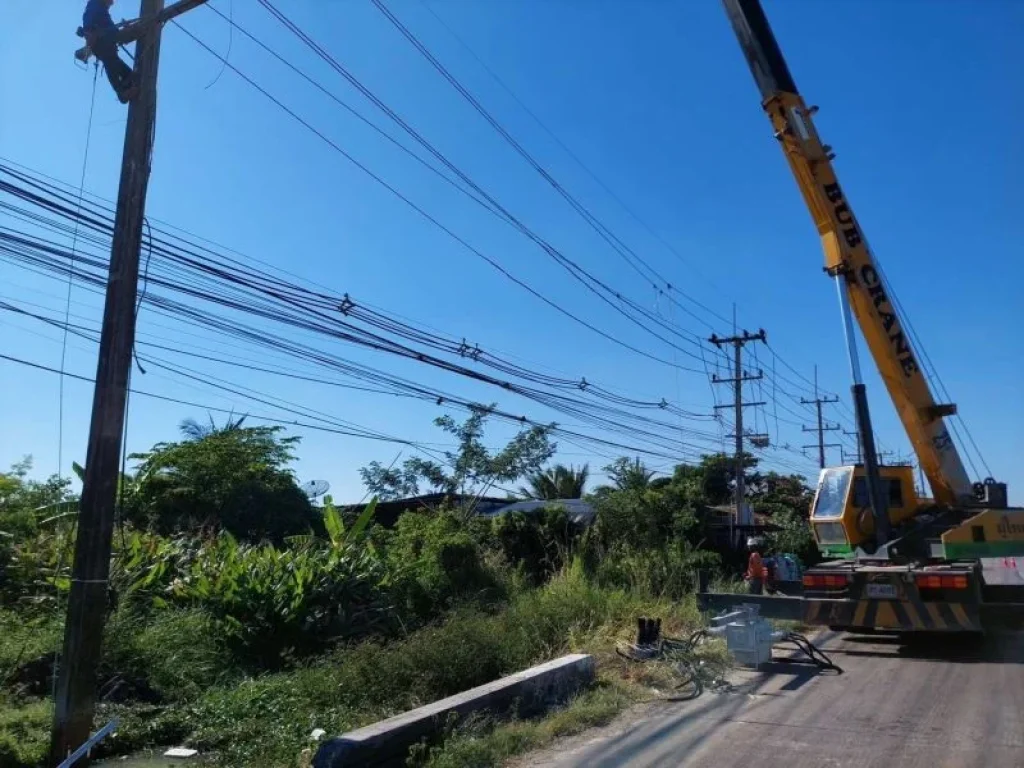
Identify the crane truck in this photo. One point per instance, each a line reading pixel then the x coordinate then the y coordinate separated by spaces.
pixel 894 561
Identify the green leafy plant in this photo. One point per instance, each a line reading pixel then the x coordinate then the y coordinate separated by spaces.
pixel 273 603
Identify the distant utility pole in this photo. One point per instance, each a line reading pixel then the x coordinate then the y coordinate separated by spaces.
pixel 822 427
pixel 738 342
pixel 855 456
pixel 87 603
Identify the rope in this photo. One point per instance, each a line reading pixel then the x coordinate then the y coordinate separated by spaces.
pixel 71 271
pixel 64 344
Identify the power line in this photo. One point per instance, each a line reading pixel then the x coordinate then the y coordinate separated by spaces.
pixel 469 187
pixel 689 264
pixel 430 218
pixel 659 282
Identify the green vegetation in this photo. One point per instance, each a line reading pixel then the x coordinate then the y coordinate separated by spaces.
pixel 557 482
pixel 241 617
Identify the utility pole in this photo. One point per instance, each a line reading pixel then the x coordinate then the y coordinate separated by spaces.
pixel 855 456
pixel 738 341
pixel 822 427
pixel 87 602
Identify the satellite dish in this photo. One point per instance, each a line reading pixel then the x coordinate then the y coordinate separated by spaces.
pixel 315 488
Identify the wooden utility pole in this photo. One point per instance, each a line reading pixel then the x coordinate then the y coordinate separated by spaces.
pixel 822 427
pixel 738 341
pixel 87 603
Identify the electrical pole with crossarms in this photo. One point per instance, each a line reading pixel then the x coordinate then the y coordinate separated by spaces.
pixel 75 697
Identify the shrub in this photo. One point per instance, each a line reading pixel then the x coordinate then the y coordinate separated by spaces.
pixel 539 543
pixel 665 571
pixel 177 652
pixel 271 603
pixel 24 732
pixel 794 536
pixel 436 561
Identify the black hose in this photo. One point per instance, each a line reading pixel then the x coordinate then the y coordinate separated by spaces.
pixel 817 656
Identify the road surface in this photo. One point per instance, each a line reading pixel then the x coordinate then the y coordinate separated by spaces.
pixel 955 706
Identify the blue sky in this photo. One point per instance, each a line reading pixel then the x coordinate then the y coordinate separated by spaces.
pixel 654 98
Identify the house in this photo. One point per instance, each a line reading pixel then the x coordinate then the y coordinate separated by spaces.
pixel 580 512
pixel 388 512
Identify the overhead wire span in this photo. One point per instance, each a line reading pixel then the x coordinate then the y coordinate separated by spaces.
pixel 428 216
pixel 690 265
pixel 479 195
pixel 354 311
pixel 233 285
pixel 640 265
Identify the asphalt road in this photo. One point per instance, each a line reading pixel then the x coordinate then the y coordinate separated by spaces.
pixel 941 705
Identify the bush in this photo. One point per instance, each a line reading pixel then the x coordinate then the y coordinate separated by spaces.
pixel 539 543
pixel 24 732
pixel 178 653
pixel 666 571
pixel 436 562
pixel 644 518
pixel 794 537
pixel 272 603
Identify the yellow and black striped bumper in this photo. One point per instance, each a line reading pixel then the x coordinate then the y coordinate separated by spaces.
pixel 900 615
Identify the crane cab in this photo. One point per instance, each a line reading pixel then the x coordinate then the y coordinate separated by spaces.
pixel 841 515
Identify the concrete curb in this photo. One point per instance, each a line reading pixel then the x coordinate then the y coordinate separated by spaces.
pixel 387 742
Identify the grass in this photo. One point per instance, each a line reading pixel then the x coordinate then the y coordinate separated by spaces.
pixel 24 731
pixel 486 743
pixel 24 639
pixel 233 719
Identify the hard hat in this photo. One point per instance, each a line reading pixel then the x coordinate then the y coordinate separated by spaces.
pixel 753 542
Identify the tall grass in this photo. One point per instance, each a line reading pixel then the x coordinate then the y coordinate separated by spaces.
pixel 266 721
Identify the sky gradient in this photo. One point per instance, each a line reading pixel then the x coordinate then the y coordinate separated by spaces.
pixel 654 103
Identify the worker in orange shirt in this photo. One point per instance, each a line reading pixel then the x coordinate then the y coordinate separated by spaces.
pixel 756 574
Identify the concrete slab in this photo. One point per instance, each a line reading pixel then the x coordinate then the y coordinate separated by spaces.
pixel 387 743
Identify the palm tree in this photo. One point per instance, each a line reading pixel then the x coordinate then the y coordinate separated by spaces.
pixel 193 430
pixel 557 482
pixel 629 475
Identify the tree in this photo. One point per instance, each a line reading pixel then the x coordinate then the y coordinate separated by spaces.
pixel 230 478
pixel 557 482
pixel 713 480
pixel 23 500
pixel 627 474
pixel 193 430
pixel 771 492
pixel 471 468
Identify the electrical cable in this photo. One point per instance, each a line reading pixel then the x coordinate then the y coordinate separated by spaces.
pixel 428 216
pixel 690 265
pixel 677 654
pixel 817 656
pixel 659 282
pixel 240 275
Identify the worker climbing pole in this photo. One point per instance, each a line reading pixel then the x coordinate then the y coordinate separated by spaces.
pixel 100 33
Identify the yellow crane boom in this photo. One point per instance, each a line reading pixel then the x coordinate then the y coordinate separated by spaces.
pixel 849 259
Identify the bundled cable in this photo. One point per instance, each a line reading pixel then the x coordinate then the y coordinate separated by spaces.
pixel 677 653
